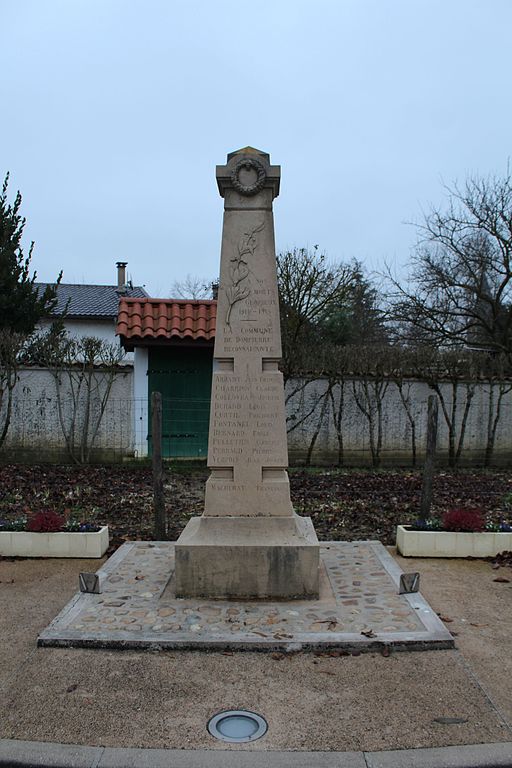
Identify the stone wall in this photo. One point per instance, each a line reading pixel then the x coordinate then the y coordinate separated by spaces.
pixel 310 413
pixel 36 434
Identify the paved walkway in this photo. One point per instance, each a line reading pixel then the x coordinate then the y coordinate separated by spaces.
pixel 359 607
pixel 318 706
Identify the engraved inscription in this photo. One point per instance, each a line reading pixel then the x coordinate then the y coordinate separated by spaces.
pixel 245 412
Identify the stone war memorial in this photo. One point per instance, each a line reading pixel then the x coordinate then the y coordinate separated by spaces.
pixel 249 573
pixel 249 542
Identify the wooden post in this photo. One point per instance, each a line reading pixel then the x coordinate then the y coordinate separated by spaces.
pixel 428 469
pixel 160 532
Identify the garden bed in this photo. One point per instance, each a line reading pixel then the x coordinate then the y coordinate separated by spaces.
pixel 412 543
pixel 345 505
pixel 60 544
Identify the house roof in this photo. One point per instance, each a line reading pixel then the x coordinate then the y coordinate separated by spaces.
pixel 91 300
pixel 165 319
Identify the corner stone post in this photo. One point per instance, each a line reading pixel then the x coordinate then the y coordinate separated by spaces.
pixel 248 543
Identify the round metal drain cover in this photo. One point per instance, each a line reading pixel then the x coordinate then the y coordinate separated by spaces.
pixel 237 725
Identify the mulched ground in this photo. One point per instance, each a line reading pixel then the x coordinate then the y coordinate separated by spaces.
pixel 344 504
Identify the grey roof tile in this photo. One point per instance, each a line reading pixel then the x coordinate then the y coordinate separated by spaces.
pixel 91 300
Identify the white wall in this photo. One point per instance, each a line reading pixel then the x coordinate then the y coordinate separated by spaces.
pixel 35 428
pixel 140 395
pixel 101 329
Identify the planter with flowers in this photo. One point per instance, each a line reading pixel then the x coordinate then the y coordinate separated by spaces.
pixel 460 532
pixel 48 534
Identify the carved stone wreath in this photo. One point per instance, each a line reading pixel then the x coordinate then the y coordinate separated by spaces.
pixel 249 164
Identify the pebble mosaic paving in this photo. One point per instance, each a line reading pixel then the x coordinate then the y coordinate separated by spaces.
pixel 358 608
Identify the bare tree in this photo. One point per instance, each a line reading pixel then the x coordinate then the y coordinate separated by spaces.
pixel 337 398
pixel 84 370
pixel 401 373
pixel 452 375
pixel 323 401
pixel 497 373
pixel 369 387
pixel 10 345
pixel 302 410
pixel 310 288
pixel 460 286
pixel 193 287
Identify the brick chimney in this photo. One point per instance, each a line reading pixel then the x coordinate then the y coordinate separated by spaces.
pixel 121 275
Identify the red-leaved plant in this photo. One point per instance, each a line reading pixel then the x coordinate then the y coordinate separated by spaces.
pixel 46 521
pixel 464 519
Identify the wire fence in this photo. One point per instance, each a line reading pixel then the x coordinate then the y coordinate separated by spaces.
pixel 324 427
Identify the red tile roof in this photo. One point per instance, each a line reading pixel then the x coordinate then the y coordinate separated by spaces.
pixel 162 319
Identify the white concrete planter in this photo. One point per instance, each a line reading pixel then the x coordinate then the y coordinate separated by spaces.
pixel 28 544
pixel 448 544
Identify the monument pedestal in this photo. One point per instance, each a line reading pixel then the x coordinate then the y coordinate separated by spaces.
pixel 248 557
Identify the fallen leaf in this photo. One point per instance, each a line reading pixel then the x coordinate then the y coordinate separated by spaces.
pixel 277 656
pixel 502 580
pixel 446 619
pixel 72 688
pixel 368 632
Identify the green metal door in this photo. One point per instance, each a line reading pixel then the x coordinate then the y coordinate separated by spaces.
pixel 184 377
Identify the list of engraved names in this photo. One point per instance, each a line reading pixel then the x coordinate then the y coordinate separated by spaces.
pixel 244 418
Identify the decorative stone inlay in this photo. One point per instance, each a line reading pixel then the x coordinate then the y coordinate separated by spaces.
pixel 338 618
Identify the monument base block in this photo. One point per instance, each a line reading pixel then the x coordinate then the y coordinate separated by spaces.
pixel 248 557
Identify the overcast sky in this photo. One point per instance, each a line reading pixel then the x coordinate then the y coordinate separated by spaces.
pixel 114 114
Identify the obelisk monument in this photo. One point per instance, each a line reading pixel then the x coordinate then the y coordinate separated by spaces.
pixel 248 543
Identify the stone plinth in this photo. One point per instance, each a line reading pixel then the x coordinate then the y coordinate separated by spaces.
pixel 248 542
pixel 228 557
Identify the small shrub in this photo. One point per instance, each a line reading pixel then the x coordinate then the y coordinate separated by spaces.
pixel 461 519
pixel 19 524
pixel 430 524
pixel 46 521
pixel 507 500
pixel 498 527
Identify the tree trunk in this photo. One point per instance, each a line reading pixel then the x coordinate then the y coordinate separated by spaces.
pixel 493 419
pixel 406 402
pixel 337 416
pixel 470 391
pixel 318 426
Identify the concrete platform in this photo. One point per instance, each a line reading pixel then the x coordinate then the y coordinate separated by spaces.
pixel 248 558
pixel 359 608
